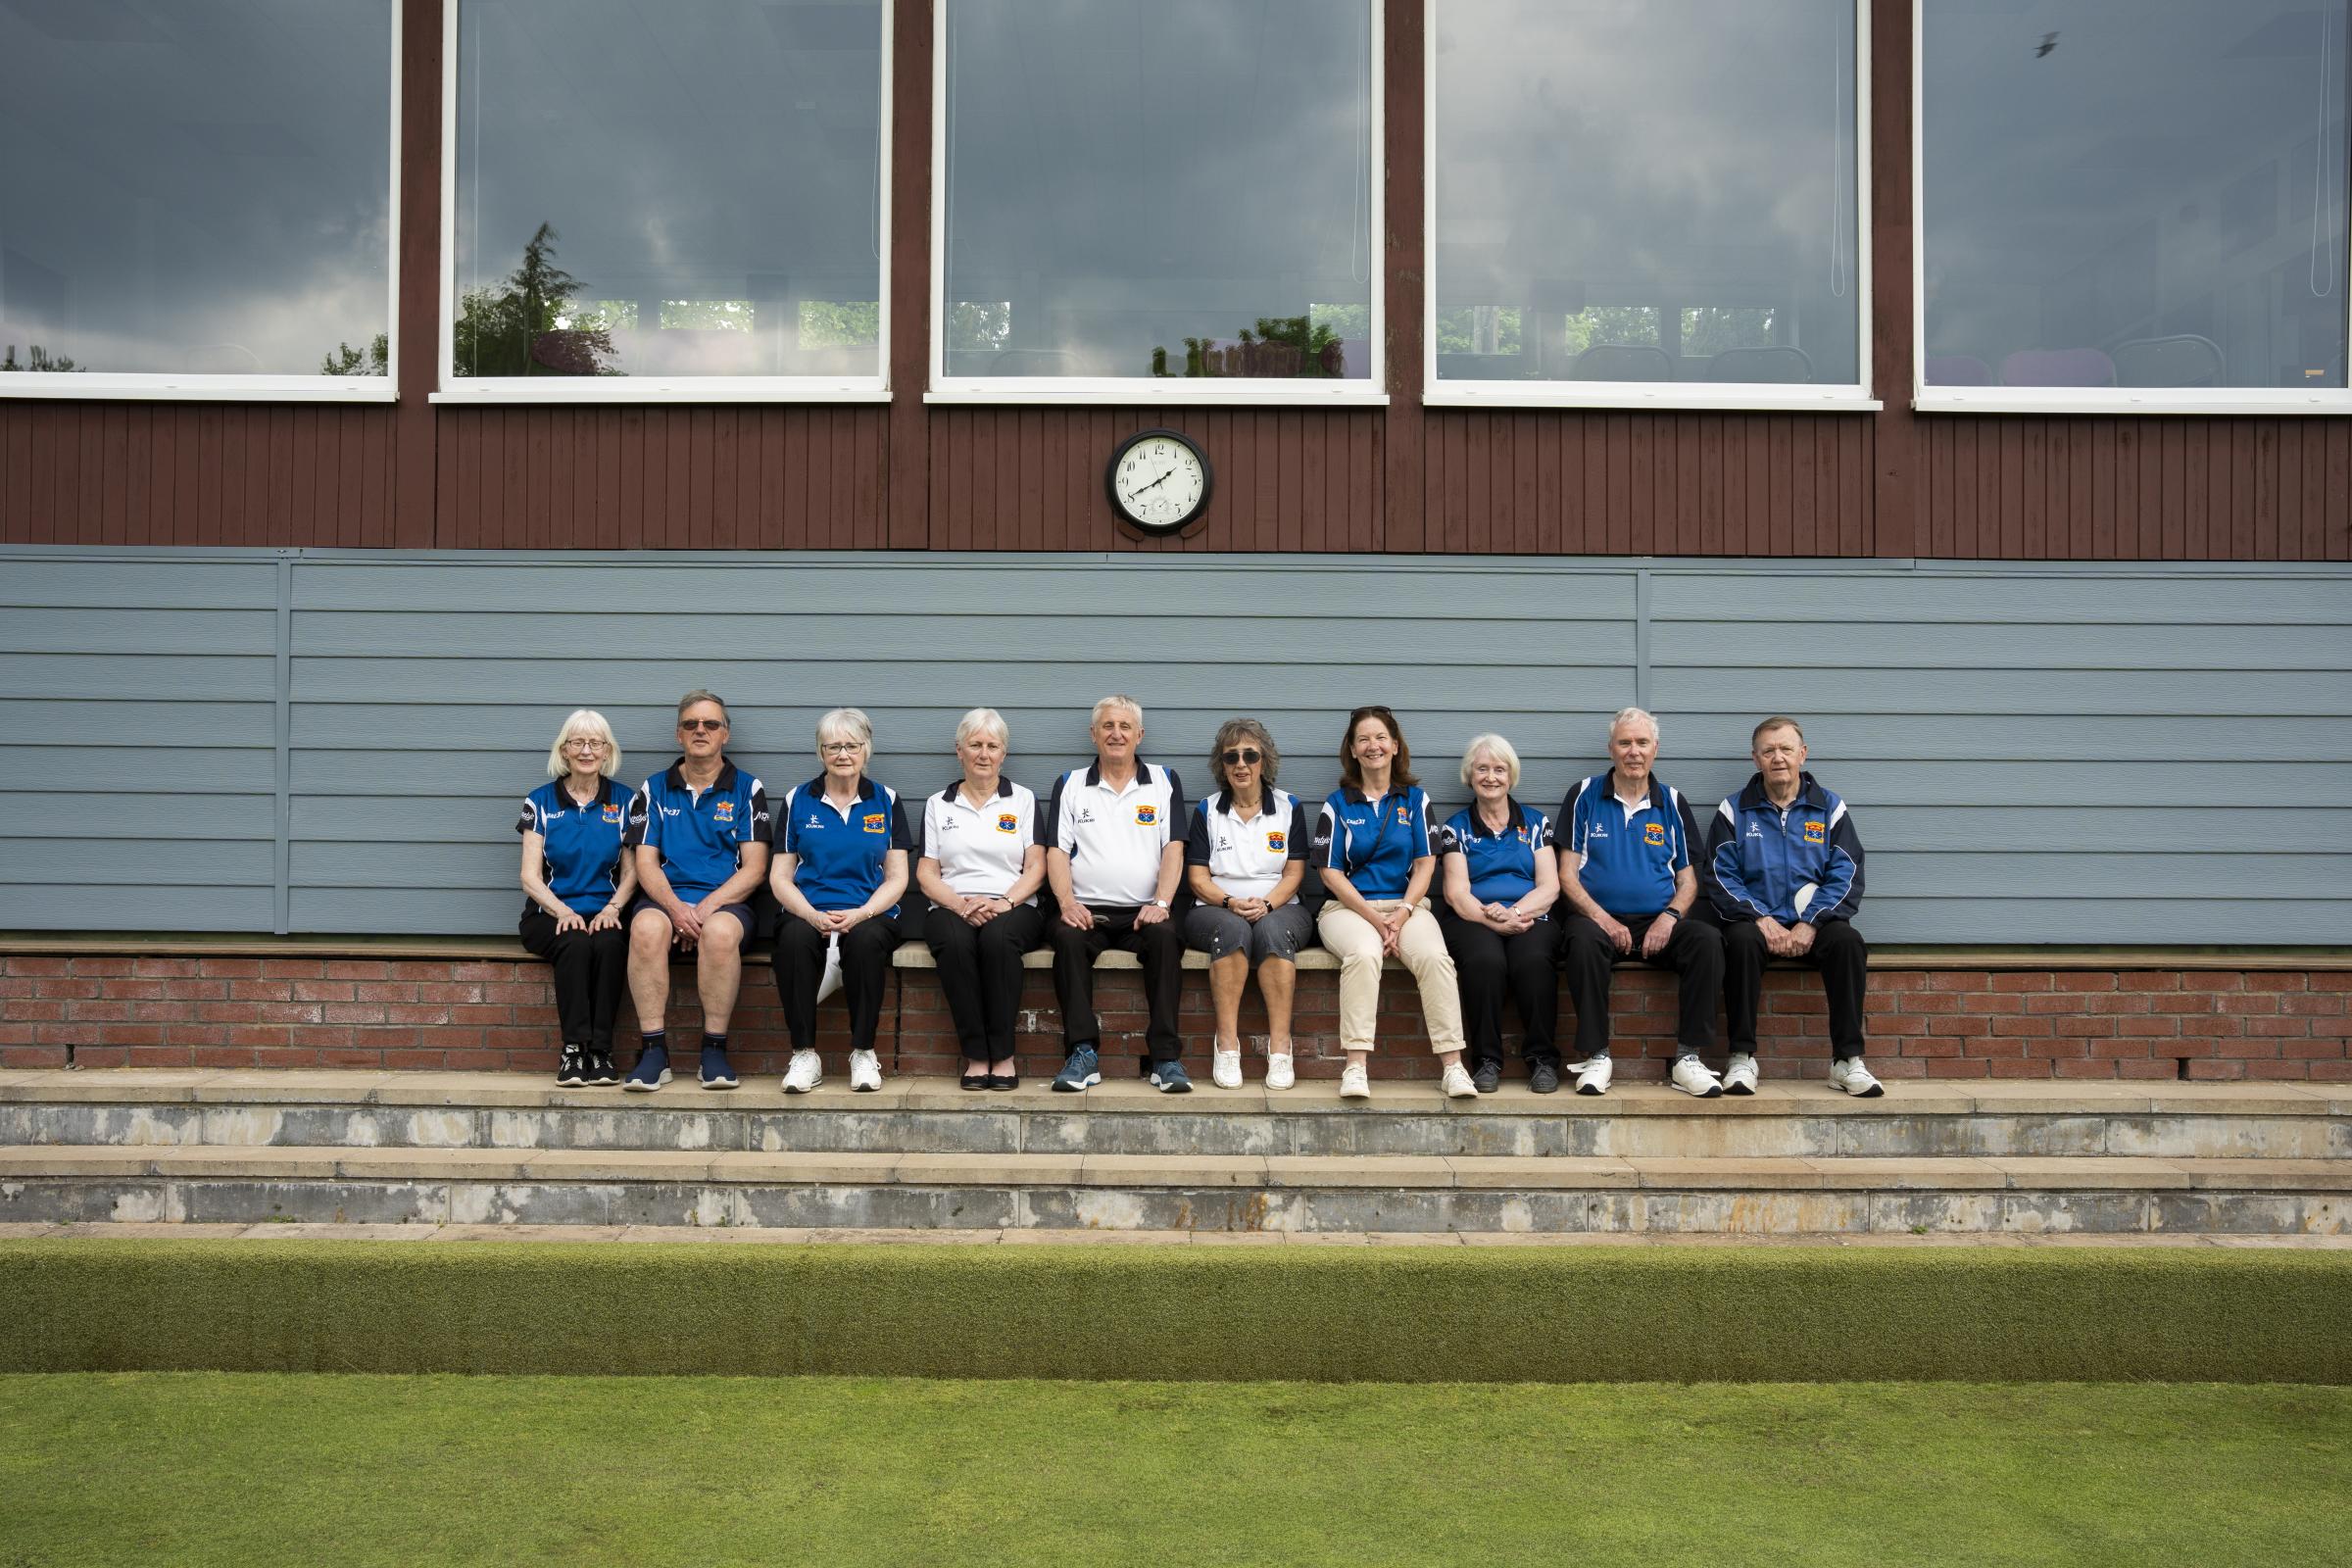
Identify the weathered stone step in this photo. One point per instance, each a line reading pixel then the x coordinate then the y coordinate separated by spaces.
pixel 236 1184
pixel 378 1110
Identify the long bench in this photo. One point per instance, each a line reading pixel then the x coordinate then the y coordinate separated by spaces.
pixel 480 1003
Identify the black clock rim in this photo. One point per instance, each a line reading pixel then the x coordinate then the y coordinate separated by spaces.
pixel 1111 481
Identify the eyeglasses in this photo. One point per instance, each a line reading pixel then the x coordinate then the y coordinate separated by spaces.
pixel 841 748
pixel 691 724
pixel 585 743
pixel 1243 756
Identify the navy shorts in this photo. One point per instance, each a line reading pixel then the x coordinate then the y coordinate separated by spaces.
pixel 741 912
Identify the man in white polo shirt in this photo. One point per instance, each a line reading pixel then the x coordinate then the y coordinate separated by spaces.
pixel 1114 852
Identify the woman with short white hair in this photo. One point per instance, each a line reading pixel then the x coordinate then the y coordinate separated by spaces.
pixel 578 883
pixel 981 867
pixel 1501 879
pixel 839 871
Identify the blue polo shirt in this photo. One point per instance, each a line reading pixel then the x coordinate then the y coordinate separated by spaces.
pixel 581 859
pixel 1502 866
pixel 1629 856
pixel 1373 843
pixel 700 840
pixel 841 853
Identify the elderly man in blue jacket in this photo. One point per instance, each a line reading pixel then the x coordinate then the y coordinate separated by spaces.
pixel 1784 869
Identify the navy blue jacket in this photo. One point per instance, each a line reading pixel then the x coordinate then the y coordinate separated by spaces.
pixel 1803 864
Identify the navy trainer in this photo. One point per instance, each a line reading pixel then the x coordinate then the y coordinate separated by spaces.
pixel 1082 1071
pixel 717 1074
pixel 651 1072
pixel 1169 1079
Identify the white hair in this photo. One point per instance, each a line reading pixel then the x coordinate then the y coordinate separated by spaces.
pixel 584 722
pixel 1114 700
pixel 1627 715
pixel 845 724
pixel 983 722
pixel 1493 746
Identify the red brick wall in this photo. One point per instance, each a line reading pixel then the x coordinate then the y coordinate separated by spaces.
pixel 497 1014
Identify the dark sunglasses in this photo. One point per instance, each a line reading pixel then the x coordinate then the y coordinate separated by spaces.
pixel 702 723
pixel 1239 755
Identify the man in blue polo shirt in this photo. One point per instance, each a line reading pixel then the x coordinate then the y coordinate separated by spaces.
pixel 1783 868
pixel 1626 870
pixel 699 830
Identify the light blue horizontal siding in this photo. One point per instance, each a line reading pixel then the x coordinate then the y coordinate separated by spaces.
pixel 2079 754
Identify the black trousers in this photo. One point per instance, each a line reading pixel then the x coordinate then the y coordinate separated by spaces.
pixel 1838 952
pixel 591 969
pixel 1694 951
pixel 980 970
pixel 1485 965
pixel 799 965
pixel 1160 947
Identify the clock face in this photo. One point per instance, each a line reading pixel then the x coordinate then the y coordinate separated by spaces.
pixel 1159 480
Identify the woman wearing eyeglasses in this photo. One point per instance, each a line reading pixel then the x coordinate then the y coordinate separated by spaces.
pixel 839 870
pixel 1373 848
pixel 980 871
pixel 578 883
pixel 1245 859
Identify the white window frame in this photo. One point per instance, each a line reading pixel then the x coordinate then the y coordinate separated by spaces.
pixel 1370 391
pixel 1846 397
pixel 1928 398
pixel 627 389
pixel 150 387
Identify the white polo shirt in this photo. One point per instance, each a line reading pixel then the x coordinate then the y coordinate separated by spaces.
pixel 1113 837
pixel 1247 857
pixel 980 847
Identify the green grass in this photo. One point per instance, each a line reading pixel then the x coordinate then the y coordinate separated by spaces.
pixel 1414 1314
pixel 248 1469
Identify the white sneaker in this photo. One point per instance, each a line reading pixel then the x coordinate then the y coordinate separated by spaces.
pixel 1692 1077
pixel 1458 1085
pixel 803 1073
pixel 1355 1082
pixel 1278 1071
pixel 1740 1078
pixel 1225 1068
pixel 1855 1079
pixel 865 1072
pixel 1593 1076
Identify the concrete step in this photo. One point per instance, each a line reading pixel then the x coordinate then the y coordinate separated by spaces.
pixel 249 1184
pixel 927 1116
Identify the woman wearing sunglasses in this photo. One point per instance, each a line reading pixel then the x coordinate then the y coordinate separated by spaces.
pixel 1372 846
pixel 1245 859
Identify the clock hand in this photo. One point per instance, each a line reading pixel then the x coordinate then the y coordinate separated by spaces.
pixel 1162 479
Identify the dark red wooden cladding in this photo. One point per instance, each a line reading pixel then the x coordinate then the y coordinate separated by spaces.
pixel 1401 478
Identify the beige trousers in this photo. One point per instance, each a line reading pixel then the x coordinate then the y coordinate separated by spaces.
pixel 1351 937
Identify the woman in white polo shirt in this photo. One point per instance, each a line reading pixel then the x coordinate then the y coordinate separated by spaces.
pixel 981 867
pixel 1245 859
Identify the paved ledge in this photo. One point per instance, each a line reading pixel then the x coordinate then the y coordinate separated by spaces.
pixel 259 1086
pixel 914 955
pixel 690 1235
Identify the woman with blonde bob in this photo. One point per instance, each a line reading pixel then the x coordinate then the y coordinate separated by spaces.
pixel 981 867
pixel 1372 846
pixel 1501 879
pixel 1245 860
pixel 576 883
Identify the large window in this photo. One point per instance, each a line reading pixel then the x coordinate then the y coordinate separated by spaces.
pixel 2132 203
pixel 675 198
pixel 1646 201
pixel 1162 199
pixel 196 200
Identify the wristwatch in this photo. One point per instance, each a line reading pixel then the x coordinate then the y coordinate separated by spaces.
pixel 1159 904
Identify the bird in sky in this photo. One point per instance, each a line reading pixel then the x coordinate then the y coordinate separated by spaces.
pixel 2049 41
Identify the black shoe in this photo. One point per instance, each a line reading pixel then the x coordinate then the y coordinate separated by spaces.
pixel 601 1072
pixel 1543 1077
pixel 1005 1079
pixel 572 1070
pixel 1487 1077
pixel 975 1080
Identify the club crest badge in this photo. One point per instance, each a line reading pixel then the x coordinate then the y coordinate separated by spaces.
pixel 723 811
pixel 1277 841
pixel 1816 832
pixel 1009 823
pixel 1146 816
pixel 877 823
pixel 1654 833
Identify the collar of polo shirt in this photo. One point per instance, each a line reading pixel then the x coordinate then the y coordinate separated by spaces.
pixel 1142 774
pixel 676 776
pixel 866 789
pixel 1477 825
pixel 955 790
